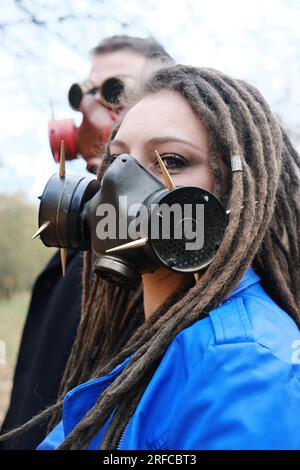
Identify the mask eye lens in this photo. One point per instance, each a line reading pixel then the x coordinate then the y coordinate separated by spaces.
pixel 112 90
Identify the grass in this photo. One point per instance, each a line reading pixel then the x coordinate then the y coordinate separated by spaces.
pixel 12 316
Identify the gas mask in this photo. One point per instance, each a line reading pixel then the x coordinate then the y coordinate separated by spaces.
pixel 132 222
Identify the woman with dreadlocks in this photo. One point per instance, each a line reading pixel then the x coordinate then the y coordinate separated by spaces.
pixel 211 364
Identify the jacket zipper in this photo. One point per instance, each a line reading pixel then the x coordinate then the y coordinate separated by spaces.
pixel 122 436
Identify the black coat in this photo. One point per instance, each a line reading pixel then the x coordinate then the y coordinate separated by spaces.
pixel 48 335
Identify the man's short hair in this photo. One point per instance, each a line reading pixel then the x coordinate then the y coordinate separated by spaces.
pixel 148 47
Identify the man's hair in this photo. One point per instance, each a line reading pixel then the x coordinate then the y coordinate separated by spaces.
pixel 147 47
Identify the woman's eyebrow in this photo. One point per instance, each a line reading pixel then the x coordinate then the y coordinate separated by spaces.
pixel 166 139
pixel 160 140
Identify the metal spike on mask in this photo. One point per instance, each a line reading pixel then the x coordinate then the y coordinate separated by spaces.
pixel 63 259
pixel 62 160
pixel 62 174
pixel 41 229
pixel 129 245
pixel 166 175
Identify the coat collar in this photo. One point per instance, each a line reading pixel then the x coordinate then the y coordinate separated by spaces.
pixel 249 278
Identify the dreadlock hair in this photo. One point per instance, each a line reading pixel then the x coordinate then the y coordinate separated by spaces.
pixel 263 229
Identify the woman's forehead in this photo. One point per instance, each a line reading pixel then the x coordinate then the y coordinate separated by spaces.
pixel 162 113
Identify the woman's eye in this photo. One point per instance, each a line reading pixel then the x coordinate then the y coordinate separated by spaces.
pixel 172 161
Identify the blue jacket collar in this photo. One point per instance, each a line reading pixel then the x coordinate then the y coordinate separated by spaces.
pixel 249 278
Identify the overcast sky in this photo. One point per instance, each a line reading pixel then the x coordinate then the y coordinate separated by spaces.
pixel 44 48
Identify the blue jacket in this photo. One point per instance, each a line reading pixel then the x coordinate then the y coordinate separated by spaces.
pixel 229 381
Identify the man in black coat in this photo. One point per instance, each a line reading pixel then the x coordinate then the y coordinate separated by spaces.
pixel 54 310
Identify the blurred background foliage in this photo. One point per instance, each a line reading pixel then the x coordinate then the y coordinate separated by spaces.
pixel 21 258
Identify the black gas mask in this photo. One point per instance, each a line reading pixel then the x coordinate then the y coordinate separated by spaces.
pixel 132 222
